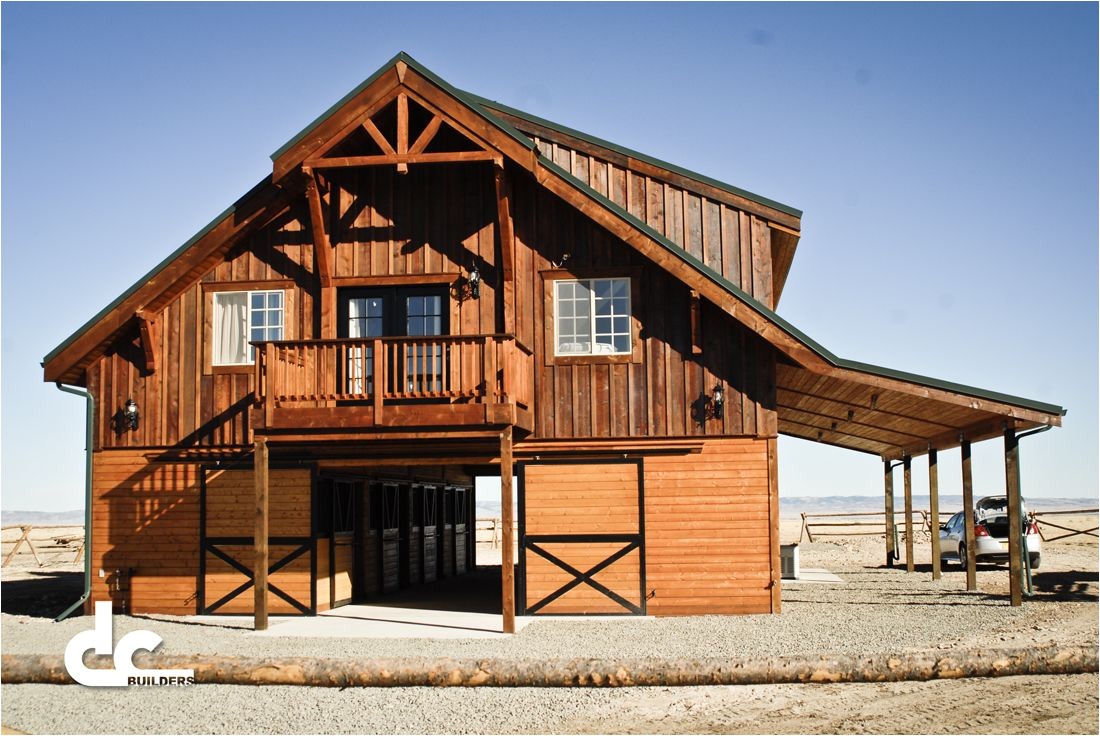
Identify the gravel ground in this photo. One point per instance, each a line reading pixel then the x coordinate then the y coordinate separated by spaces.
pixel 874 610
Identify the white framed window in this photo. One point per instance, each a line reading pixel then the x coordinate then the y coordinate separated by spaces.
pixel 242 317
pixel 592 317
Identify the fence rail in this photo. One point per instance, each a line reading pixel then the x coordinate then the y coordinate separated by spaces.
pixel 59 544
pixel 1041 522
pixel 810 527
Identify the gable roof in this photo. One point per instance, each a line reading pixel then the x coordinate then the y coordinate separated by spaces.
pixel 791 342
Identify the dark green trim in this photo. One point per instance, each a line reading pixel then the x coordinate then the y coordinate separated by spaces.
pixel 266 181
pixel 786 326
pixel 423 71
pixel 494 105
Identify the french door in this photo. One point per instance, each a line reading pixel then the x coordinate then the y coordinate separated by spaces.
pixel 394 312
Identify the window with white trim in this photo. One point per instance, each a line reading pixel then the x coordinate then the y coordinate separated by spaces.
pixel 242 317
pixel 592 317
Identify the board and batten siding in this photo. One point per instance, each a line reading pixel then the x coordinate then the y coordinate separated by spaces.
pixel 730 241
pixel 432 224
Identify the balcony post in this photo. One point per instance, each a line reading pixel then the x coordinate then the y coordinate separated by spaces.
pixel 379 361
pixel 269 365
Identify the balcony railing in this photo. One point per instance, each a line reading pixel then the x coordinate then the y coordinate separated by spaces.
pixel 393 371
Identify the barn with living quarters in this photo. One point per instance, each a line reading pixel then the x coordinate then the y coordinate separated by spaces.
pixel 288 412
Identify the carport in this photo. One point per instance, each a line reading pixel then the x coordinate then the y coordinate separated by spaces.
pixel 900 416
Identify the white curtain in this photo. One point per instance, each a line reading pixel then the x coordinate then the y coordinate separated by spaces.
pixel 231 328
pixel 357 357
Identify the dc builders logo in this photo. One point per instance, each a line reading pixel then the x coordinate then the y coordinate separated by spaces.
pixel 124 673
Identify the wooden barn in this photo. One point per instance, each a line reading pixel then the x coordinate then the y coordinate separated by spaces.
pixel 288 412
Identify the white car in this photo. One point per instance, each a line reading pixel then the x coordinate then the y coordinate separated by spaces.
pixel 990 534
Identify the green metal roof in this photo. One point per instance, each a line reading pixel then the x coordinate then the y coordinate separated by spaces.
pixel 786 326
pixel 637 155
pixel 479 105
pixel 155 270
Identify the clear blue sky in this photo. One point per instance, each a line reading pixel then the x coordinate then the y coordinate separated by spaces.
pixel 945 157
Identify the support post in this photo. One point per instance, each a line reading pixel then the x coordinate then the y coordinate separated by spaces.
pixel 1015 520
pixel 968 517
pixel 259 571
pixel 507 570
pixel 907 463
pixel 934 510
pixel 888 482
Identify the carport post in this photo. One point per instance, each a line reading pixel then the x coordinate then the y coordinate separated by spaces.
pixel 968 516
pixel 934 510
pixel 888 479
pixel 907 465
pixel 1015 528
pixel 507 572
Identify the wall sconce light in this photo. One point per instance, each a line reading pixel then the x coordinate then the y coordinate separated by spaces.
pixel 130 414
pixel 718 401
pixel 473 281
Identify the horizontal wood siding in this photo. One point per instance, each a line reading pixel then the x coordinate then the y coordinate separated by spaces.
pixel 580 499
pixel 145 519
pixel 707 523
pixel 230 512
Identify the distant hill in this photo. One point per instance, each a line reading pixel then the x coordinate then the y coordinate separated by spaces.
pixel 43 518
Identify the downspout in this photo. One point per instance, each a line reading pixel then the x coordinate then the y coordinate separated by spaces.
pixel 88 433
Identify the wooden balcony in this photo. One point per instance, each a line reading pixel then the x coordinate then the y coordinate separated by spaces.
pixel 362 384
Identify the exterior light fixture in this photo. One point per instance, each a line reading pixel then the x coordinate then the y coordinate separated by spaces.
pixel 473 280
pixel 130 414
pixel 718 401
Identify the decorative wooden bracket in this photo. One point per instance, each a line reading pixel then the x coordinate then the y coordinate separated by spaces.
pixel 148 342
pixel 507 246
pixel 401 152
pixel 321 248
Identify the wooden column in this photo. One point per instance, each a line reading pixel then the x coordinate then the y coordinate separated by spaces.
pixel 907 465
pixel 968 517
pixel 934 511
pixel 259 570
pixel 507 571
pixel 888 483
pixel 1015 520
pixel 773 510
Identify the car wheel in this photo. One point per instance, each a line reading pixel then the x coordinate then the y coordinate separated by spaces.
pixel 1035 560
pixel 962 556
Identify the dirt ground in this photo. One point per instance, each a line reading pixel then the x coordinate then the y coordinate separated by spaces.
pixel 1063 610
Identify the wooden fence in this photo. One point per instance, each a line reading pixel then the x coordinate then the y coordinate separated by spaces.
pixel 838 521
pixel 56 544
pixel 1040 520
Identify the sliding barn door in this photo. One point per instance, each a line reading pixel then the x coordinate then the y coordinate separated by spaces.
pixel 581 538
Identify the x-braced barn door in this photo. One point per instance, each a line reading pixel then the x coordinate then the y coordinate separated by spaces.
pixel 582 540
pixel 227 524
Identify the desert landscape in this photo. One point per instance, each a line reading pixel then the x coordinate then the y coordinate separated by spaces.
pixel 872 609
